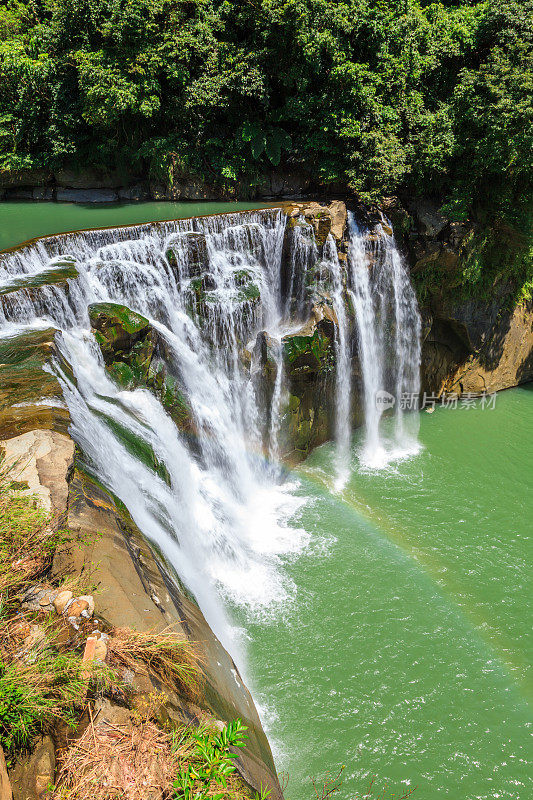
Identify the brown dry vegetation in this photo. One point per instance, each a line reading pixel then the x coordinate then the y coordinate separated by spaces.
pixel 167 656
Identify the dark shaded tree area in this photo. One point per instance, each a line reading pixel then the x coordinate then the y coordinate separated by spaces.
pixel 378 95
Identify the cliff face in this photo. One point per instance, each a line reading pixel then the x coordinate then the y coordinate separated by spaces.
pixel 478 337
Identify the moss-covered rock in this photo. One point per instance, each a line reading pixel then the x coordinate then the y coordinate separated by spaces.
pixel 56 274
pixel 117 330
pixel 135 356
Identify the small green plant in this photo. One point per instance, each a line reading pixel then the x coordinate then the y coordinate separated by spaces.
pixel 210 764
pixel 35 694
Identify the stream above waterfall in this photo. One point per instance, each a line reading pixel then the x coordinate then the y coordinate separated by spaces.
pixel 407 652
pixel 21 220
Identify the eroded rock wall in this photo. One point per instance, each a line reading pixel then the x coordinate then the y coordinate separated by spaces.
pixel 476 338
pixel 134 589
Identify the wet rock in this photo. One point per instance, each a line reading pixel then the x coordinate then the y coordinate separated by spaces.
pixel 56 274
pixel 188 249
pixel 116 328
pixel 30 397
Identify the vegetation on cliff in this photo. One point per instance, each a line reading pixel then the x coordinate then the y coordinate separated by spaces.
pixel 50 686
pixel 378 96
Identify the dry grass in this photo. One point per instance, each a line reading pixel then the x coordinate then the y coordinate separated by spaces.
pixel 135 761
pixel 167 656
pixel 127 762
pixel 26 538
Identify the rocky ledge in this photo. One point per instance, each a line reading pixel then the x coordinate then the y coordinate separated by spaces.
pixel 133 590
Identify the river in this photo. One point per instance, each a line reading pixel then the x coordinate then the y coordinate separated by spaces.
pixel 406 651
pixel 22 220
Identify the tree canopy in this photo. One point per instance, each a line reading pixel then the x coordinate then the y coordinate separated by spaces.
pixel 377 95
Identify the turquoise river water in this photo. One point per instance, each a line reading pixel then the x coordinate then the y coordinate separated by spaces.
pixel 23 220
pixel 406 652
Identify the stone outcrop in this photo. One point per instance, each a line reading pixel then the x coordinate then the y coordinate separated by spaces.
pixel 57 274
pixel 136 355
pixel 478 347
pixel 91 185
pixel 475 344
pixel 325 218
pixel 30 396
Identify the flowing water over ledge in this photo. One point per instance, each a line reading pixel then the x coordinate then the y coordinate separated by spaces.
pixel 22 220
pixel 386 623
pixel 407 653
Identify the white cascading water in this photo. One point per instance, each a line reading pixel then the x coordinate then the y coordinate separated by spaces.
pixel 221 520
pixel 343 363
pixel 221 517
pixel 388 330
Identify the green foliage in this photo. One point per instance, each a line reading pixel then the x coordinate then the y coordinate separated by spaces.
pixel 210 764
pixel 381 96
pixel 47 687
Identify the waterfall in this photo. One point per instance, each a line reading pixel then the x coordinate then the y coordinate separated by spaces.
pixel 343 372
pixel 210 287
pixel 207 286
pixel 388 332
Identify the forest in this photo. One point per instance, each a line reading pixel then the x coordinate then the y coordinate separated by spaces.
pixel 371 97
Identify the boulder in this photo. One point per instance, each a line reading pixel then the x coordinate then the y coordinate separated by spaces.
pixel 325 218
pixel 188 248
pixel 61 600
pixel 42 459
pixel 135 355
pixel 117 328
